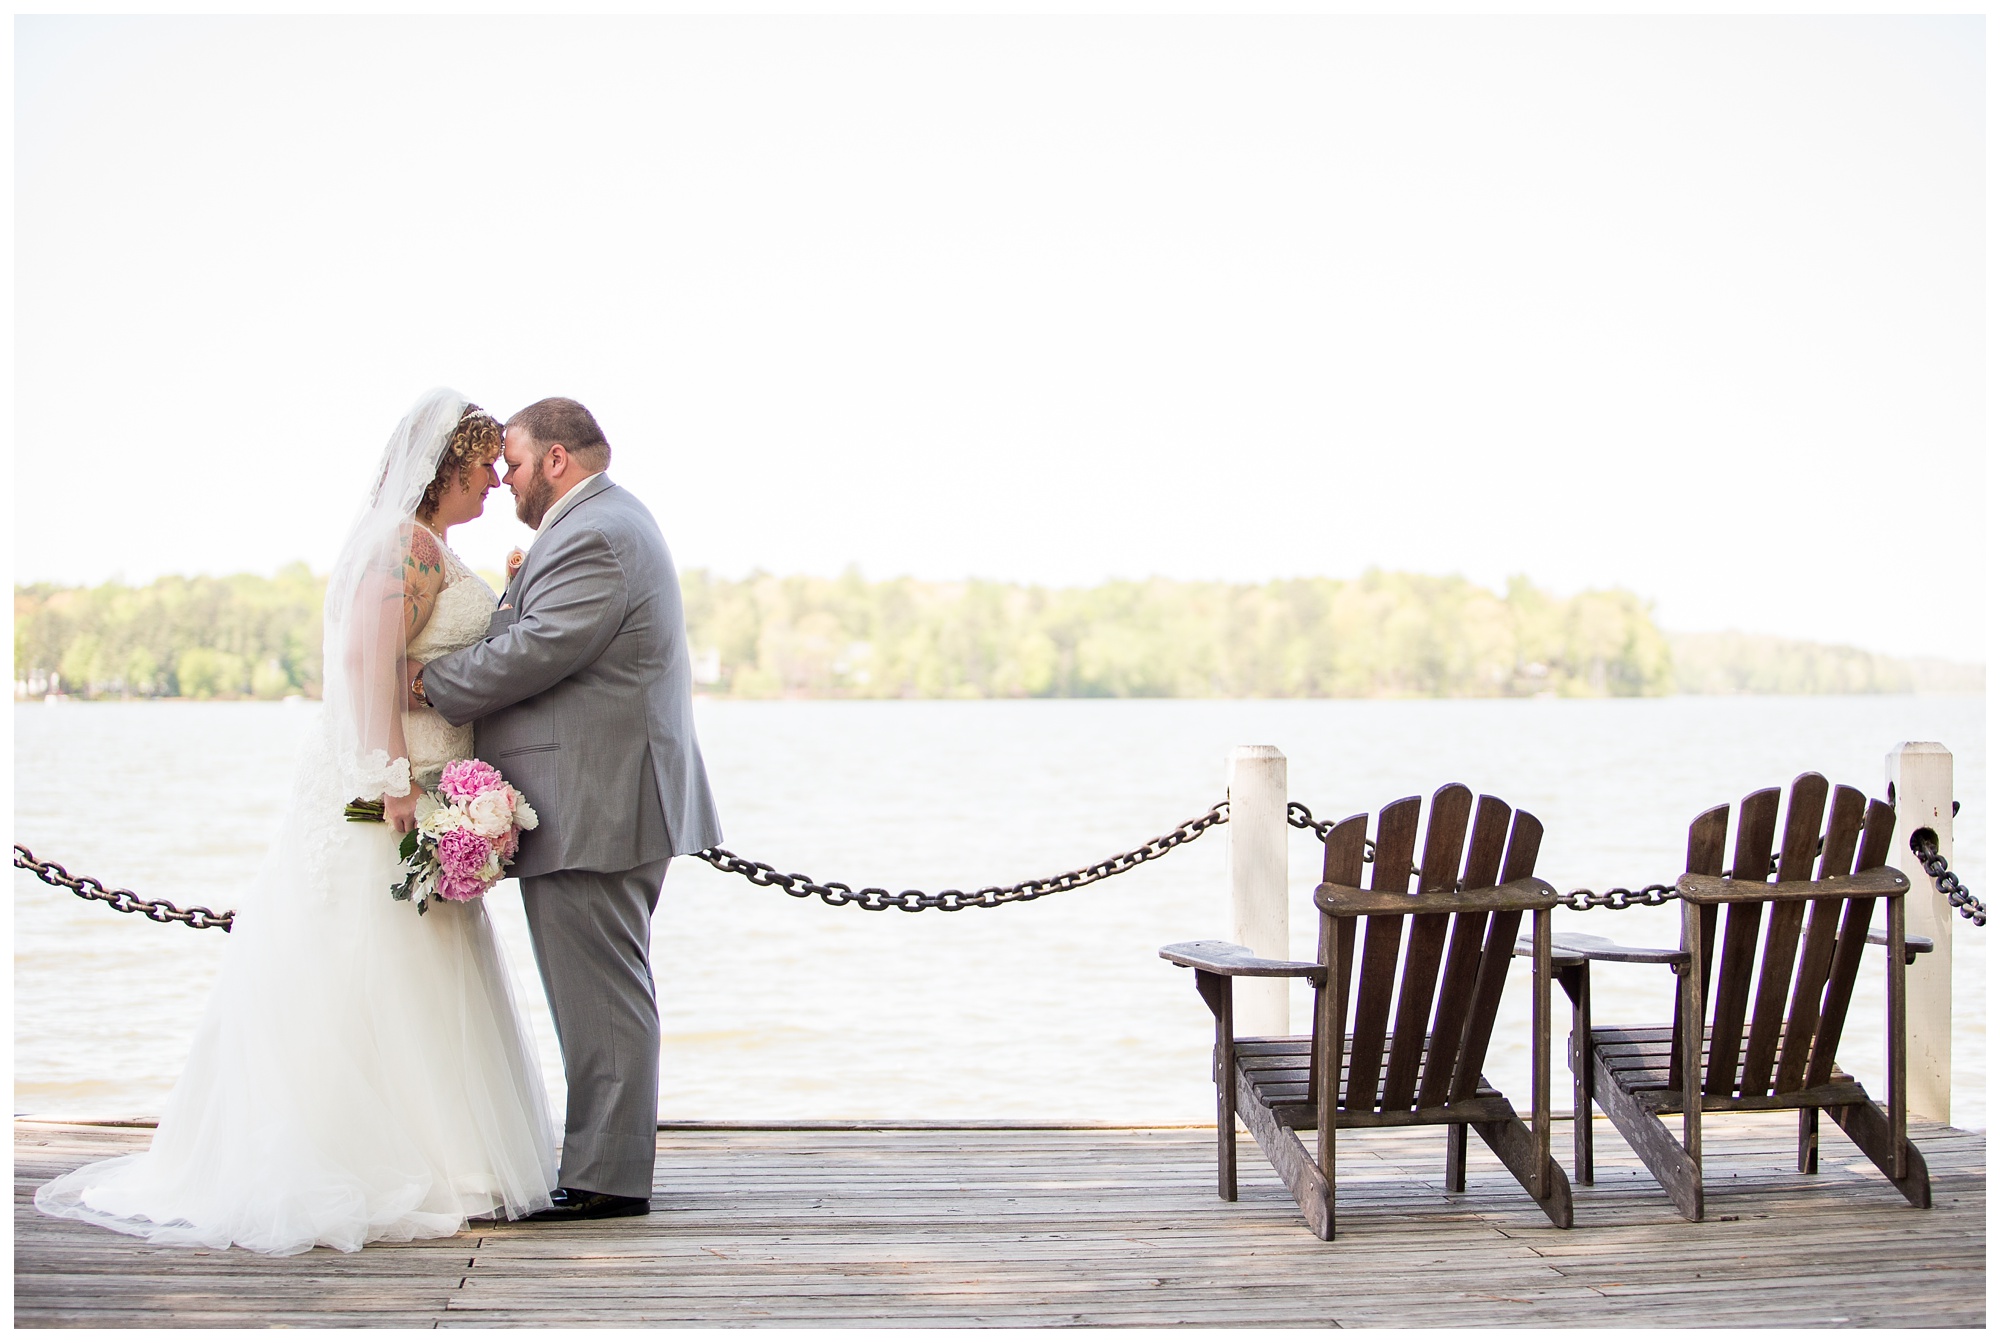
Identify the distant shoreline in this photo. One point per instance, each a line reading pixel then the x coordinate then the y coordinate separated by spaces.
pixel 1384 635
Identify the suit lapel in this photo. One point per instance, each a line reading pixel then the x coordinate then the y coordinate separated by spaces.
pixel 584 494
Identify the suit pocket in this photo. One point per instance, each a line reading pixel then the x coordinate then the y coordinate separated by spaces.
pixel 536 771
pixel 503 620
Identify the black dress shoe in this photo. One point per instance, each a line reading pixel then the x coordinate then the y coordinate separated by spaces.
pixel 580 1205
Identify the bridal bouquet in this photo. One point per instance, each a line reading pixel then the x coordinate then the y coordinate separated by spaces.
pixel 467 831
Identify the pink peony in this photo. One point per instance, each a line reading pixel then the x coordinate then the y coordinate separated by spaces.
pixel 461 853
pixel 466 779
pixel 510 843
pixel 460 888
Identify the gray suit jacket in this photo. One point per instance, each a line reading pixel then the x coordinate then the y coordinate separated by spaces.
pixel 582 694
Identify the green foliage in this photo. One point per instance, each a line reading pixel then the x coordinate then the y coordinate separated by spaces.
pixel 1382 634
pixel 1759 664
pixel 204 638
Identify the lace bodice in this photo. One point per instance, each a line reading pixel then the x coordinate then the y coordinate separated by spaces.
pixel 464 610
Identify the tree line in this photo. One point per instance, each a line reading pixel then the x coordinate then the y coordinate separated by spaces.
pixel 1382 634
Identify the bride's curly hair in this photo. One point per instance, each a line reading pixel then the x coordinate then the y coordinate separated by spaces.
pixel 475 442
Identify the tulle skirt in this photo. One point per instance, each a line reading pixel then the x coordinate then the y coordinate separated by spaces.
pixel 361 1073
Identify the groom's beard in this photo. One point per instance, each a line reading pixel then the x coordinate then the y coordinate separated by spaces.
pixel 532 505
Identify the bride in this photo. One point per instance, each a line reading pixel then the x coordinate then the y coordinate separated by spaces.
pixel 362 1072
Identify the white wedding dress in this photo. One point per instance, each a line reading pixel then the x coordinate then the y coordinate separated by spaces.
pixel 362 1073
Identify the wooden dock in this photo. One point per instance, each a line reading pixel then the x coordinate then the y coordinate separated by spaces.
pixel 947 1226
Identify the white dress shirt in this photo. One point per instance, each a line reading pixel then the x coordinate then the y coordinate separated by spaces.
pixel 562 505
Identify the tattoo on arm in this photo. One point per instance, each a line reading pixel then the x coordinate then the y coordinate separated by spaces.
pixel 423 576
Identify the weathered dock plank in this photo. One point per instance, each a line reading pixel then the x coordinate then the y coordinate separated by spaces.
pixel 939 1227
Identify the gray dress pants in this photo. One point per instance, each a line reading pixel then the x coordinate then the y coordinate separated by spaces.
pixel 592 932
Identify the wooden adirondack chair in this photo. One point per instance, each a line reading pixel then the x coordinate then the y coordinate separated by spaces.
pixel 1336 1077
pixel 1730 1051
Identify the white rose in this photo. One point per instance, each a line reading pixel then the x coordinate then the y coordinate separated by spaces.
pixel 441 819
pixel 524 815
pixel 489 814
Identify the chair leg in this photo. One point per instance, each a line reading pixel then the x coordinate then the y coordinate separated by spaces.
pixel 1288 1156
pixel 1225 1129
pixel 1516 1148
pixel 1576 983
pixel 1865 1123
pixel 1583 1139
pixel 1218 993
pixel 1809 1140
pixel 1454 1158
pixel 1677 1170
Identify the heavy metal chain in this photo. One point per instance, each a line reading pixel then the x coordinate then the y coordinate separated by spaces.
pixel 1924 844
pixel 1618 897
pixel 124 901
pixel 1299 818
pixel 986 897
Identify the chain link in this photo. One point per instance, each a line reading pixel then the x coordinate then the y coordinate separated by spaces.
pixel 1618 897
pixel 951 901
pixel 1925 845
pixel 1299 818
pixel 796 884
pixel 120 899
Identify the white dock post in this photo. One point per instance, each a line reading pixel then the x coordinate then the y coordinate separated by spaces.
pixel 1258 877
pixel 1920 777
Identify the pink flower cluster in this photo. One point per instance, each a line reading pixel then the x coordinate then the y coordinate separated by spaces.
pixel 462 856
pixel 466 779
pixel 467 832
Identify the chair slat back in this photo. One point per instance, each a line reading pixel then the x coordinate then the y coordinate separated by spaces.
pixel 1877 828
pixel 1708 840
pixel 1524 846
pixel 1395 843
pixel 1756 823
pixel 1440 979
pixel 1804 811
pixel 1800 957
pixel 1843 842
pixel 1444 844
pixel 1468 945
pixel 1346 855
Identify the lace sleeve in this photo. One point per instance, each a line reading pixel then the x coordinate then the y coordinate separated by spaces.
pixel 379 776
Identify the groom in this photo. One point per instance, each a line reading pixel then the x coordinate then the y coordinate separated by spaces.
pixel 581 696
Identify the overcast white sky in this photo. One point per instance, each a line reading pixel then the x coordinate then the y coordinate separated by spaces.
pixel 1690 306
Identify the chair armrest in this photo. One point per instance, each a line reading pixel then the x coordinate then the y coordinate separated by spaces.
pixel 1913 946
pixel 1559 956
pixel 1227 958
pixel 1575 948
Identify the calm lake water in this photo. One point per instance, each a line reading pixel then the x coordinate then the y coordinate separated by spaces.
pixel 776 1008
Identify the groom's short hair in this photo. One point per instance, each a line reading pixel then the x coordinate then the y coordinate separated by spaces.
pixel 557 419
